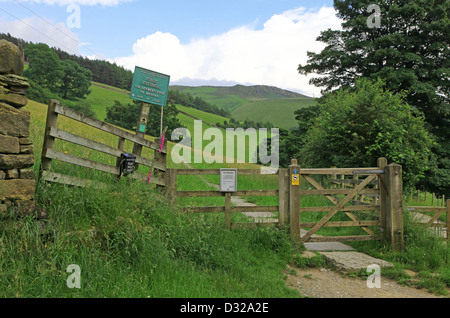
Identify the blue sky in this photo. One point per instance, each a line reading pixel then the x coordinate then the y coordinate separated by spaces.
pixel 196 42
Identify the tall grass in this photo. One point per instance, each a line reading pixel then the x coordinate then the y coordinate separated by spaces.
pixel 424 253
pixel 129 242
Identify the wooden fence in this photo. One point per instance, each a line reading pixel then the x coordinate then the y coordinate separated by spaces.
pixel 436 200
pixel 228 209
pixel 441 227
pixel 52 132
pixel 388 210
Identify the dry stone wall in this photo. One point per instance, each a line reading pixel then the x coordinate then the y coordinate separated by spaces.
pixel 17 182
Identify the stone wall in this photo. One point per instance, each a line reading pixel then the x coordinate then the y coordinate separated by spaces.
pixel 17 182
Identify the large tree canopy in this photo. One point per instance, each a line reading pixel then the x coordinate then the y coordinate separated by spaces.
pixel 355 128
pixel 409 50
pixel 52 77
pixel 76 80
pixel 44 67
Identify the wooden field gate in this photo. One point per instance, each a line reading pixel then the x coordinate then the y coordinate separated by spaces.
pixel 388 179
pixel 52 132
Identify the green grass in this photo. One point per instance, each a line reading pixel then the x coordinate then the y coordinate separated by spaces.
pixel 129 242
pixel 424 199
pixel 210 94
pixel 278 112
pixel 101 98
pixel 206 117
pixel 424 254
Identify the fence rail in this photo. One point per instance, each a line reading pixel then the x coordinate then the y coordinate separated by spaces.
pixel 52 132
pixel 227 209
pixel 433 221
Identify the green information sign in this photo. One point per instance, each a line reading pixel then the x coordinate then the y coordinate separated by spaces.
pixel 150 87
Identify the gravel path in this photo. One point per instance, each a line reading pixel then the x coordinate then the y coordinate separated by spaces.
pixel 325 283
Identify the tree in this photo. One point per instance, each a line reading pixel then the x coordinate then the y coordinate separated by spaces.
pixel 353 128
pixel 409 50
pixel 52 78
pixel 82 107
pixel 76 80
pixel 127 116
pixel 44 68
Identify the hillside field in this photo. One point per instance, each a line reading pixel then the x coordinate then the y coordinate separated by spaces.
pixel 278 112
pixel 245 103
pixel 254 103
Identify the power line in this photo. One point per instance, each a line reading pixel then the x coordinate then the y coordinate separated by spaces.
pixel 44 20
pixel 30 26
pixel 75 40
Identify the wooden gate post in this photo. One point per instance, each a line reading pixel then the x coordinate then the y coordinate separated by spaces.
pixel 161 159
pixel 137 148
pixel 382 163
pixel 283 197
pixel 49 141
pixel 294 200
pixel 394 206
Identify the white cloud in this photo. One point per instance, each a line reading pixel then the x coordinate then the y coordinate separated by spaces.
pixel 268 56
pixel 40 31
pixel 79 2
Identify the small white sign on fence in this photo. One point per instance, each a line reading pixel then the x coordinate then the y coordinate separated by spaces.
pixel 228 180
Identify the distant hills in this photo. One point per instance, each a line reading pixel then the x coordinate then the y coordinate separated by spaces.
pixel 231 97
pixel 259 103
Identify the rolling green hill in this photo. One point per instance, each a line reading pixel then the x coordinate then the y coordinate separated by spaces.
pixel 279 112
pixel 233 97
pixel 103 96
pixel 257 103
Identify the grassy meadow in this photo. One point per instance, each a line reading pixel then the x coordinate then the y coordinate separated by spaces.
pixel 103 96
pixel 280 112
pixel 224 100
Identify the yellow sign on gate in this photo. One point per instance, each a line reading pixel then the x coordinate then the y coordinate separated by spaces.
pixel 295 179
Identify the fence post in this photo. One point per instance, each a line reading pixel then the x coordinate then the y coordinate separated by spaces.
pixel 120 147
pixel 283 197
pixel 448 220
pixel 49 141
pixel 228 210
pixel 161 157
pixel 294 200
pixel 145 110
pixel 382 163
pixel 171 185
pixel 394 206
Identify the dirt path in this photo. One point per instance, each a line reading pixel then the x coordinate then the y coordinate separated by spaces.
pixel 325 283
